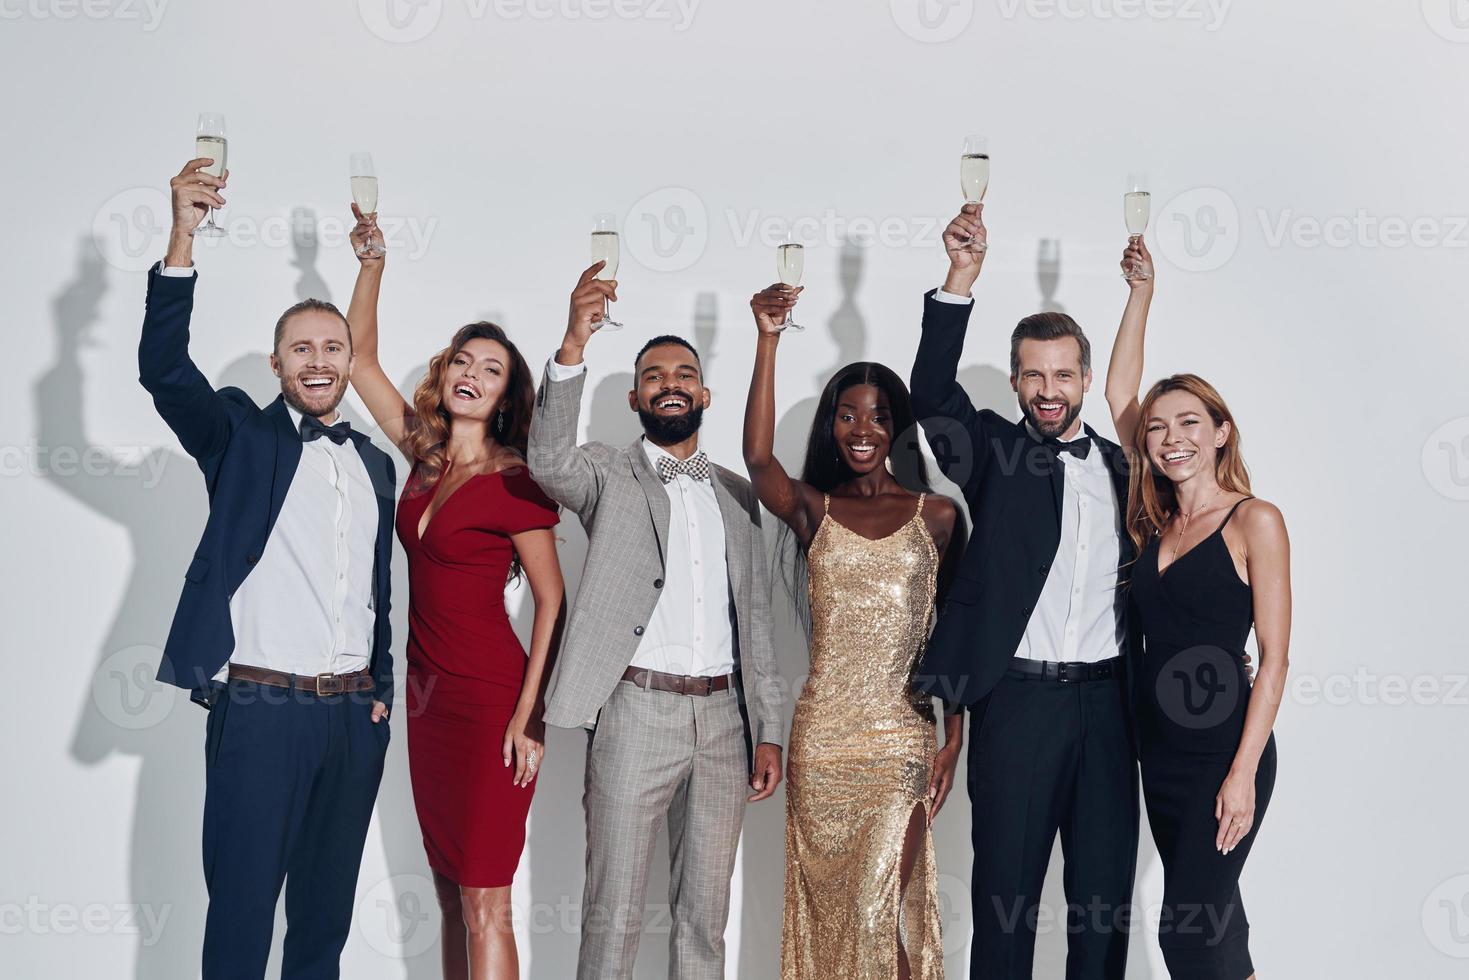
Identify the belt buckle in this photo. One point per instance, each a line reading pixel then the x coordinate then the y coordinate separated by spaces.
pixel 329 678
pixel 708 686
pixel 1061 673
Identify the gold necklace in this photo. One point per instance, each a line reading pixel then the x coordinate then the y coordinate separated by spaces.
pixel 1188 516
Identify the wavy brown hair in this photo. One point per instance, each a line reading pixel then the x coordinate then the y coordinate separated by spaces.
pixel 1150 497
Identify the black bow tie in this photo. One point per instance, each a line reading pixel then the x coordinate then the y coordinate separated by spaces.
pixel 1080 447
pixel 313 428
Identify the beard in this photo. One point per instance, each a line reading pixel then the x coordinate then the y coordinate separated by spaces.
pixel 1051 430
pixel 296 396
pixel 671 428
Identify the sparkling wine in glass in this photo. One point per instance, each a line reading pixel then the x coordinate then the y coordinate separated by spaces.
pixel 210 141
pixel 1136 207
pixel 790 265
pixel 974 179
pixel 364 195
pixel 605 249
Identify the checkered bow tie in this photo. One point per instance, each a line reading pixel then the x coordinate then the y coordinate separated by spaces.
pixel 696 467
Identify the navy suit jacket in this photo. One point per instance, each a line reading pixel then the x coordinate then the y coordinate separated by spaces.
pixel 248 456
pixel 1013 485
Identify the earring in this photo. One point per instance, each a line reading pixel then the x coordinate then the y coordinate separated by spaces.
pixel 500 421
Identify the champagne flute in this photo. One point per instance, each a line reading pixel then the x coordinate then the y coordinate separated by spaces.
pixel 209 141
pixel 605 249
pixel 790 265
pixel 1136 205
pixel 364 195
pixel 974 179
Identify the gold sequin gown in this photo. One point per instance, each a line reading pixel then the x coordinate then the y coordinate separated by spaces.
pixel 861 755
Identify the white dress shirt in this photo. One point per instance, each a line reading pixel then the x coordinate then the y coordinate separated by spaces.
pixel 692 627
pixel 306 607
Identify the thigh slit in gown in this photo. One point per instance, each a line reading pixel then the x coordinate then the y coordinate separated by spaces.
pixel 1193 692
pixel 465 668
pixel 861 755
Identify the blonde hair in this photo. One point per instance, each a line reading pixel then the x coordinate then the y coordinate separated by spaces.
pixel 1150 497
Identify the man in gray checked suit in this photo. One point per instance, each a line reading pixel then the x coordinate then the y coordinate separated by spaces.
pixel 667 655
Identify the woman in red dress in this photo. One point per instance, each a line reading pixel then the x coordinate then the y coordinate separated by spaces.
pixel 471 520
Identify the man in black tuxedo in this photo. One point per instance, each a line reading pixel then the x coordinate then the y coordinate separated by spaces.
pixel 1034 634
pixel 282 626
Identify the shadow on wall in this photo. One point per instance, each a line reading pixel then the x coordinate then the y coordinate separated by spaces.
pixel 157 498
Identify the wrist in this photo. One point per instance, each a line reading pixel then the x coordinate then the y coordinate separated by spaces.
pixel 960 281
pixel 180 254
pixel 1242 770
pixel 570 353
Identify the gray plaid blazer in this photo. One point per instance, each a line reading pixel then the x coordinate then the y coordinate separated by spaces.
pixel 624 507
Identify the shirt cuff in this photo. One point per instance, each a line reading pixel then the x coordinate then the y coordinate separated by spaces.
pixel 557 371
pixel 174 270
pixel 944 297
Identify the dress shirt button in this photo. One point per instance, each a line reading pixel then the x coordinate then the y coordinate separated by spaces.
pixel 657 583
pixel 637 631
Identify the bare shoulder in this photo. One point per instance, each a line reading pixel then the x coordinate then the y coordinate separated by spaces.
pixel 939 512
pixel 1261 522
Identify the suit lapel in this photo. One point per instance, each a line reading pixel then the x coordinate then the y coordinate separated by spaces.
pixel 287 457
pixel 736 527
pixel 655 492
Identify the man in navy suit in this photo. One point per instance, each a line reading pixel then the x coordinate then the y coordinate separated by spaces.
pixel 282 626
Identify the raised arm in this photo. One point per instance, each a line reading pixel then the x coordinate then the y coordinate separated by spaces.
pixel 183 396
pixel 570 474
pixel 369 380
pixel 1267 560
pixel 1125 372
pixel 790 500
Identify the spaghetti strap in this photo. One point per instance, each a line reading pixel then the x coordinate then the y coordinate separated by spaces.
pixel 1231 512
pixel 826 503
pixel 919 511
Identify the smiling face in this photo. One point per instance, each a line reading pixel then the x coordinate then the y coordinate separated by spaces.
pixel 670 396
pixel 475 379
pixel 1180 436
pixel 863 428
pixel 1050 384
pixel 313 360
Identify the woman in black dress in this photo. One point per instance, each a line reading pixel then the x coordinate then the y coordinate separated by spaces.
pixel 1213 560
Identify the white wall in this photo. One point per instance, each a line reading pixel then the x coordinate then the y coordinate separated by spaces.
pixel 498 131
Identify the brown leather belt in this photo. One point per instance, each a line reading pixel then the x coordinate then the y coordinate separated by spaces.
pixel 318 684
pixel 656 680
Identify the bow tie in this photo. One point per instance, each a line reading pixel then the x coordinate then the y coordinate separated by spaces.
pixel 313 428
pixel 696 467
pixel 1080 447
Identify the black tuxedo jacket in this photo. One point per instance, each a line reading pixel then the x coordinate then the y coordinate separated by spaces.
pixel 248 456
pixel 1013 486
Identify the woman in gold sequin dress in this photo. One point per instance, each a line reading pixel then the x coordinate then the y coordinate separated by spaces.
pixel 865 776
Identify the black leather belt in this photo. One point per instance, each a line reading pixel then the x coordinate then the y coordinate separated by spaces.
pixel 1066 672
